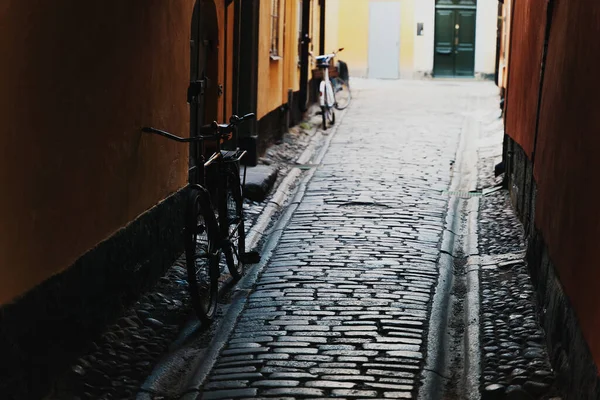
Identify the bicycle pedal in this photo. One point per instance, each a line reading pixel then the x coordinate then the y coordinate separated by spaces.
pixel 251 257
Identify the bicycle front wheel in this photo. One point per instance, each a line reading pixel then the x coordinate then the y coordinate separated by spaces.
pixel 201 254
pixel 341 91
pixel 236 239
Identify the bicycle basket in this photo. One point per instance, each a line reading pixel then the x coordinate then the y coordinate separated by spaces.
pixel 342 68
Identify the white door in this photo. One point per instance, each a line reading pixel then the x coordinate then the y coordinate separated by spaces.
pixel 384 39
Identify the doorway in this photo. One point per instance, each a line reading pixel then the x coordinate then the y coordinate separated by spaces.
pixel 245 62
pixel 455 22
pixel 384 40
pixel 203 94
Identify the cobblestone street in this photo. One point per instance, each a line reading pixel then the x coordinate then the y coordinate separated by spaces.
pixel 342 307
pixel 300 199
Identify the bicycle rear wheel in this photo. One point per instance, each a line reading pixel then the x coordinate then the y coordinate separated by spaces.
pixel 342 94
pixel 236 235
pixel 201 254
pixel 328 116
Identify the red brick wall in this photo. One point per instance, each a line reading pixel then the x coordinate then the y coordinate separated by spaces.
pixel 528 23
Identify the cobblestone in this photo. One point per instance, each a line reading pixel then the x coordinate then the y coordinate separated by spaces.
pixel 119 359
pixel 297 392
pixel 353 393
pixel 514 360
pixel 229 394
pixel 347 291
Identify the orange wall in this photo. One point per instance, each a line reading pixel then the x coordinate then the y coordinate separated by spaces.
pixel 276 77
pixel 567 163
pixel 291 76
pixel 270 72
pixel 77 82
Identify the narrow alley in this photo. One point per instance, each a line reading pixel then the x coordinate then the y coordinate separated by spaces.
pixel 342 307
pixel 299 199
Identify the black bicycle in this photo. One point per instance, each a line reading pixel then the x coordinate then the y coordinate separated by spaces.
pixel 214 236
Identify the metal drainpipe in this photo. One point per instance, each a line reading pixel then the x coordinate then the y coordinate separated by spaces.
pixel 322 27
pixel 304 55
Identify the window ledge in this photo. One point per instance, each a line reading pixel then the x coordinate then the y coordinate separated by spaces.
pixel 274 57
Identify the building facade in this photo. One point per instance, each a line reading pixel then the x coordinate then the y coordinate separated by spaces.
pixel 408 39
pixel 93 208
pixel 505 19
pixel 551 147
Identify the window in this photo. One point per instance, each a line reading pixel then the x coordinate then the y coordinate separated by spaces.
pixel 275 28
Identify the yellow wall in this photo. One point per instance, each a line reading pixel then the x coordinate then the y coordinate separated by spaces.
pixel 348 27
pixel 504 44
pixel 82 80
pixel 291 77
pixel 269 71
pixel 486 37
pixel 277 76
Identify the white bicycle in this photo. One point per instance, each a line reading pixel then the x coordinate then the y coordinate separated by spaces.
pixel 333 93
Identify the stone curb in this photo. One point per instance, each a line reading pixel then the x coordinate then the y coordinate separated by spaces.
pixel 245 285
pixel 435 362
pixel 465 179
pixel 282 193
pixel 472 349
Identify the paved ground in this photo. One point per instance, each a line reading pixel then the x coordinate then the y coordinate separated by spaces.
pixel 119 361
pixel 514 360
pixel 342 308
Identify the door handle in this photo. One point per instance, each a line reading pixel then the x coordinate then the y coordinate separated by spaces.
pixel 457 27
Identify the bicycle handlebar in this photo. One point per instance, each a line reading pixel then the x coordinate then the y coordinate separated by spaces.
pixel 210 131
pixel 330 55
pixel 234 120
pixel 171 136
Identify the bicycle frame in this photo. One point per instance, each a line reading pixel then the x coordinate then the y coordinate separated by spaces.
pixel 326 98
pixel 326 95
pixel 208 213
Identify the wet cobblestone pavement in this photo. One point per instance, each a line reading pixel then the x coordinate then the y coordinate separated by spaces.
pixel 342 307
pixel 117 363
pixel 341 310
pixel 514 359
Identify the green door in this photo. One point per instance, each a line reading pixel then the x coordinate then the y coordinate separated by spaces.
pixel 454 39
pixel 464 59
